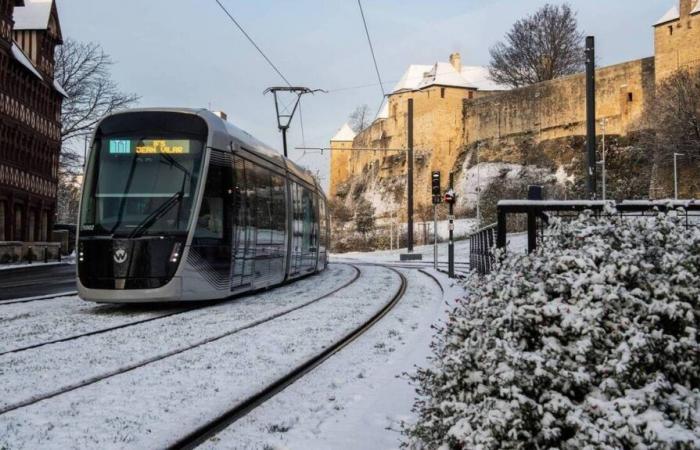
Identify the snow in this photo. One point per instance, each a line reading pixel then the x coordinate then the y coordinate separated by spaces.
pixel 420 76
pixel 357 399
pixel 33 16
pixel 696 9
pixel 151 406
pixel 24 60
pixel 344 134
pixel 480 176
pixel 671 15
pixel 60 89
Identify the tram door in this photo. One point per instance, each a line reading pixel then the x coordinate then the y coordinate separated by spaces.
pixel 212 241
pixel 259 226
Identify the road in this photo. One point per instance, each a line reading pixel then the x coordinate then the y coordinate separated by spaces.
pixel 37 280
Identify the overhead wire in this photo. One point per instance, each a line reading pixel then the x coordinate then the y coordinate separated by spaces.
pixel 374 58
pixel 250 39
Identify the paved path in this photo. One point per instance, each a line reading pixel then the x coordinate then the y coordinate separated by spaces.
pixel 37 280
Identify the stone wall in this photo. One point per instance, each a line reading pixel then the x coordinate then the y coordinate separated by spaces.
pixel 676 42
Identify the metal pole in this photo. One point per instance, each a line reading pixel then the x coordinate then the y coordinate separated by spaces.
pixel 478 187
pixel 675 175
pixel 451 245
pixel 435 238
pixel 410 175
pixel 284 141
pixel 590 118
pixel 605 120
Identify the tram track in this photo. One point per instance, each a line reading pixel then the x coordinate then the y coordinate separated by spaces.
pixel 128 368
pixel 240 410
pixel 38 298
pixel 203 305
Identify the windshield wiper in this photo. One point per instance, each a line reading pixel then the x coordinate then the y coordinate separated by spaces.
pixel 156 214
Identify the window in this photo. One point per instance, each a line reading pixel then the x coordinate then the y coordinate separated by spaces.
pixel 442 92
pixel 630 97
pixel 670 30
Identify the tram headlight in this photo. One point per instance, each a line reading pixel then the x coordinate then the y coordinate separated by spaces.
pixel 81 253
pixel 175 254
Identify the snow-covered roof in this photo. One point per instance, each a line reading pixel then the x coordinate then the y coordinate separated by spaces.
pixel 344 134
pixel 420 76
pixel 696 9
pixel 671 15
pixel 21 58
pixel 24 60
pixel 33 16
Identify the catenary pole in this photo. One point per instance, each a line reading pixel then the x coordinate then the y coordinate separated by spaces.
pixel 590 118
pixel 410 176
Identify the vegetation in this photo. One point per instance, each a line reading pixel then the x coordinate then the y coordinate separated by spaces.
pixel 364 217
pixel 560 349
pixel 360 118
pixel 540 47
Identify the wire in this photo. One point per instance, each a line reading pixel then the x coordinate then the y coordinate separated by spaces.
pixel 371 48
pixel 253 42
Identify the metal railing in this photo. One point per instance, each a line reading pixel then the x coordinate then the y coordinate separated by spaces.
pixel 485 241
pixel 481 245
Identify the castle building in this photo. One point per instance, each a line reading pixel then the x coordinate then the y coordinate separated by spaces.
pixel 463 120
pixel 30 119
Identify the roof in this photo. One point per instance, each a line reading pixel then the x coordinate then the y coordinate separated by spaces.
pixel 696 9
pixel 671 15
pixel 19 55
pixel 384 112
pixel 419 76
pixel 21 58
pixel 344 134
pixel 33 16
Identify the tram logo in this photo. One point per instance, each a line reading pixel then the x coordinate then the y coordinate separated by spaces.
pixel 120 255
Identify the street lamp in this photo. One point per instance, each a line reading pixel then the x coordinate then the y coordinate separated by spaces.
pixel 675 174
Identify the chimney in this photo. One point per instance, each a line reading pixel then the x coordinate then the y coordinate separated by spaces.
pixel 686 7
pixel 456 61
pixel 221 114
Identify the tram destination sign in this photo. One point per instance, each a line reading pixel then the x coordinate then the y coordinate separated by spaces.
pixel 149 146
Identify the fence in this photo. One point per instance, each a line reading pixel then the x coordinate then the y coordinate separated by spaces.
pixel 539 213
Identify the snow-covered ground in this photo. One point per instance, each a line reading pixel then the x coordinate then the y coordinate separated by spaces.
pixel 359 398
pixel 153 405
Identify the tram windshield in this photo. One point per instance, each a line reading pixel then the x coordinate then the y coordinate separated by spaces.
pixel 141 184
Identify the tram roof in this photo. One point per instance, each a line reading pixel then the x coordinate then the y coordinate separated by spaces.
pixel 222 133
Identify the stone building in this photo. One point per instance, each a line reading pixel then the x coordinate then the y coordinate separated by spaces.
pixel 469 126
pixel 30 119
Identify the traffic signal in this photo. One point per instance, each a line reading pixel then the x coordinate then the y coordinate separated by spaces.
pixel 437 196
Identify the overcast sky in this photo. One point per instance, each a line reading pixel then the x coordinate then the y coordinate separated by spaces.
pixel 188 53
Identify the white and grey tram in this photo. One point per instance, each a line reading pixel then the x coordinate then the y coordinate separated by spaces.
pixel 180 205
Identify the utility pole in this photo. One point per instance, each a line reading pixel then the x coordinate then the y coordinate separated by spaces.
pixel 590 118
pixel 675 175
pixel 410 175
pixel 604 122
pixel 451 244
pixel 284 116
pixel 478 187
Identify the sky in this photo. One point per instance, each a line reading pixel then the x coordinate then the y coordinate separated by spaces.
pixel 188 53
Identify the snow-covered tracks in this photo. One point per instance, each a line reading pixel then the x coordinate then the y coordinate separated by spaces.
pixel 148 385
pixel 239 410
pixel 38 298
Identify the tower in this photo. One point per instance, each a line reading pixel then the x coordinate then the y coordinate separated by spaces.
pixel 341 144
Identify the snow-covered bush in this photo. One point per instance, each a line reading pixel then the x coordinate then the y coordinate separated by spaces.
pixel 590 342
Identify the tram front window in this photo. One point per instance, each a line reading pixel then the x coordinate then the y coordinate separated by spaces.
pixel 141 185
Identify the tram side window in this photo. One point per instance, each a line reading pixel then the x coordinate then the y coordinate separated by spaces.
pixel 279 209
pixel 211 220
pixel 309 218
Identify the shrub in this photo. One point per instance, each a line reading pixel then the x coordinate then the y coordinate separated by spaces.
pixel 590 342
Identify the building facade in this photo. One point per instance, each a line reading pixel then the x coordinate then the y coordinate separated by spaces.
pixel 460 124
pixel 30 119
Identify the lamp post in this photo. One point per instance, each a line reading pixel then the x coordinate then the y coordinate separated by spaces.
pixel 603 122
pixel 675 174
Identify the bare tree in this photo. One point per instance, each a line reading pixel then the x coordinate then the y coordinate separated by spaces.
pixel 540 47
pixel 360 118
pixel 675 115
pixel 364 217
pixel 83 69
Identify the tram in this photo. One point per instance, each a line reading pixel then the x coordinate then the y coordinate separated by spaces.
pixel 181 205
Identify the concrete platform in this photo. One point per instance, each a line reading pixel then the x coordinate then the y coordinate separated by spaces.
pixel 411 257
